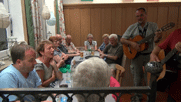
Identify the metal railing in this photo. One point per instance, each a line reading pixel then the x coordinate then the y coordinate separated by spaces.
pixel 41 94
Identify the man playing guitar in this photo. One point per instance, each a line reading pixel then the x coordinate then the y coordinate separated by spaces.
pixel 173 64
pixel 143 28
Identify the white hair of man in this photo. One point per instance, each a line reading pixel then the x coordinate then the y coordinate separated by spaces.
pixel 93 72
pixel 89 35
pixel 114 36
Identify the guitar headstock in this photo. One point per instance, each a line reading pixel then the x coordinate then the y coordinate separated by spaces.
pixel 167 26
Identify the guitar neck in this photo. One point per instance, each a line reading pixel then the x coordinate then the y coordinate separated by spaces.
pixel 146 38
pixel 168 56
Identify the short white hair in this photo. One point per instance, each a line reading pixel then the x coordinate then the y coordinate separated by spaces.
pixel 115 36
pixel 93 72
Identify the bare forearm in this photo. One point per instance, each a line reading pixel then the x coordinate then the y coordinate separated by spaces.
pixel 95 47
pixel 58 74
pixel 71 55
pixel 125 41
pixel 85 48
pixel 47 82
pixel 156 50
pixel 112 57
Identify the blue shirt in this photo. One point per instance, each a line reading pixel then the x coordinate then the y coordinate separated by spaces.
pixel 58 52
pixel 10 77
pixel 63 49
pixel 102 47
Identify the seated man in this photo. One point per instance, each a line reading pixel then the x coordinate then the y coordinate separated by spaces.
pixel 21 73
pixel 114 53
pixel 93 72
pixel 105 38
pixel 90 43
pixel 64 50
pixel 69 45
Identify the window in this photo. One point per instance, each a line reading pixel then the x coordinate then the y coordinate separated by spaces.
pixel 4 51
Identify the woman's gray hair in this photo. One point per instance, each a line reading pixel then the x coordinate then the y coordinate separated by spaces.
pixel 114 36
pixel 93 72
pixel 105 35
pixel 89 35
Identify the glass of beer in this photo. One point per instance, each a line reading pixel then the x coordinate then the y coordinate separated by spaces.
pixel 81 54
pixel 92 53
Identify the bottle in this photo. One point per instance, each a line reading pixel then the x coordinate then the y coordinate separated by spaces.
pixel 64 99
pixel 57 99
pixel 68 81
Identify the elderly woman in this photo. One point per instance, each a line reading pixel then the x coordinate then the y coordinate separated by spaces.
pixel 58 54
pixel 90 44
pixel 46 66
pixel 93 72
pixel 105 38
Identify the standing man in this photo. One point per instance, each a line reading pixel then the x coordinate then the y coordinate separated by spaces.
pixel 143 28
pixel 21 73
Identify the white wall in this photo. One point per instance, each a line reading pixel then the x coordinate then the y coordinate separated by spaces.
pixel 17 23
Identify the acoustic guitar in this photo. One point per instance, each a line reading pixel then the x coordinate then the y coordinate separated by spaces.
pixel 156 67
pixel 131 52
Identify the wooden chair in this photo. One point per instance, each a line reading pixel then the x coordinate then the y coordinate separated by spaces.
pixel 119 73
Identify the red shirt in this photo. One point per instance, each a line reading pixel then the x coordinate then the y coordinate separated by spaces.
pixel 171 40
pixel 168 45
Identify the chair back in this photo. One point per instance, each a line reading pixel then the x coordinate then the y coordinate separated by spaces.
pixel 119 73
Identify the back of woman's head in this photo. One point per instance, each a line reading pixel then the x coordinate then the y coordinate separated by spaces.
pixel 41 46
pixel 93 72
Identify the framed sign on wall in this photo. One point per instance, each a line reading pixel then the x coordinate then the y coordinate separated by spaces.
pixel 86 0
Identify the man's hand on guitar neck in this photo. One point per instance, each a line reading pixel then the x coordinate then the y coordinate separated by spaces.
pixel 158 36
pixel 178 46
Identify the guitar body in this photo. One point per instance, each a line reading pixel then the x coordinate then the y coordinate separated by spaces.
pixel 161 56
pixel 131 52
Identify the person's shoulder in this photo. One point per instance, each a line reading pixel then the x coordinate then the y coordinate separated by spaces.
pixel 132 26
pixel 10 70
pixel 33 73
pixel 108 46
pixel 94 41
pixel 176 32
pixel 120 44
pixel 152 23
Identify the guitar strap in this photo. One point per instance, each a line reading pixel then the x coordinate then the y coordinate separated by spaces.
pixel 143 34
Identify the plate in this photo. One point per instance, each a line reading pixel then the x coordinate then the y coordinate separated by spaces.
pixel 90 57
